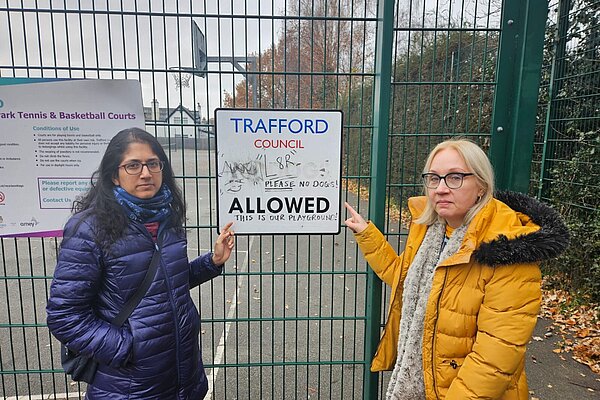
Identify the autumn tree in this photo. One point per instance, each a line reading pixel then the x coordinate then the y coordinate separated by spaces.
pixel 322 44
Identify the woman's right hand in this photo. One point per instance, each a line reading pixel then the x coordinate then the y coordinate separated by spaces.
pixel 356 222
pixel 224 245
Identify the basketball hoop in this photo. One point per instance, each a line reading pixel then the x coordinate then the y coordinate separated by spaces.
pixel 182 80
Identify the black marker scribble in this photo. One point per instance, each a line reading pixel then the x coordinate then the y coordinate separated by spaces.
pixel 236 174
pixel 273 174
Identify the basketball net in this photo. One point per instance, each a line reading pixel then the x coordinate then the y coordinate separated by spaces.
pixel 182 80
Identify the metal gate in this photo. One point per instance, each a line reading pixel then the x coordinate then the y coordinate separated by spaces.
pixel 294 316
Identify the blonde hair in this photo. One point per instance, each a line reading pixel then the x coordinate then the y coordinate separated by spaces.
pixel 477 162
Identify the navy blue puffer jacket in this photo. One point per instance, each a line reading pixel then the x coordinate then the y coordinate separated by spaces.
pixel 155 354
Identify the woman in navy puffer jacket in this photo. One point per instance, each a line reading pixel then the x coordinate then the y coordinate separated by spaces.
pixel 133 207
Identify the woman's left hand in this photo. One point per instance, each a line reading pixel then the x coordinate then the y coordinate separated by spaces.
pixel 223 246
pixel 356 222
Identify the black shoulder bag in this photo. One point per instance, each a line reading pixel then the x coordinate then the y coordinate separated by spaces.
pixel 82 368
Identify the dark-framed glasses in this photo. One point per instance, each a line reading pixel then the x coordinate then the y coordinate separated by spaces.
pixel 453 180
pixel 135 167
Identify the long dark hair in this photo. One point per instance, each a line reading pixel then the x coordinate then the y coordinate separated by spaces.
pixel 99 200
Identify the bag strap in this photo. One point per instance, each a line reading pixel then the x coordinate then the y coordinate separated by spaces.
pixel 133 302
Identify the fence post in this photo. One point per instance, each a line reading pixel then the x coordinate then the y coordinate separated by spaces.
pixel 516 96
pixel 379 152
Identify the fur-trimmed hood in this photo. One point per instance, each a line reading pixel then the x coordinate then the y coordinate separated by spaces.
pixel 548 242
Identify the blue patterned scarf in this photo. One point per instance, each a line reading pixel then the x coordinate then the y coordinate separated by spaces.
pixel 156 209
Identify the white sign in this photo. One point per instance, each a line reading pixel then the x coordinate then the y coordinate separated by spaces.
pixel 279 171
pixel 54 135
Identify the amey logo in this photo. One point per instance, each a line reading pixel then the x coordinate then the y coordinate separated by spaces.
pixel 32 222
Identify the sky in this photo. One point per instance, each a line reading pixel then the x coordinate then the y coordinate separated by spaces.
pixel 109 39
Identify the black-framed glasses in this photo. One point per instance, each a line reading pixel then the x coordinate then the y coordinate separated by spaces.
pixel 136 167
pixel 454 180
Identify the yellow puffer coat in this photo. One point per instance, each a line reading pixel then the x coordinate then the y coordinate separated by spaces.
pixel 484 299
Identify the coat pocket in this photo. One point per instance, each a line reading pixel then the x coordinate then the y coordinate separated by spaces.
pixel 448 370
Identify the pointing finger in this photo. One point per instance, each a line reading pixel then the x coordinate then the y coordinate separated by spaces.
pixel 350 209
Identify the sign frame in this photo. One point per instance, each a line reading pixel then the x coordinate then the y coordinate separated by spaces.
pixel 307 168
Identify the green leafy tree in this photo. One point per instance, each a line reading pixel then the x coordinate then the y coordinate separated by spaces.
pixel 441 88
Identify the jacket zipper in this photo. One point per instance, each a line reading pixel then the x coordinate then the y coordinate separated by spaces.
pixel 174 309
pixel 158 248
pixel 437 315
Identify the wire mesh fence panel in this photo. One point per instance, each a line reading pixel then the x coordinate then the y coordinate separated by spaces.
pixel 287 316
pixel 568 138
pixel 443 79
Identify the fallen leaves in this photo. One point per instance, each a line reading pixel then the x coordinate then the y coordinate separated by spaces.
pixel 583 333
pixel 578 326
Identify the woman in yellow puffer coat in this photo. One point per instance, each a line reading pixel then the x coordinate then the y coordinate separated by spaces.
pixel 466 290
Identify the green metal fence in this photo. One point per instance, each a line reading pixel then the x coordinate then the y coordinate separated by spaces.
pixel 457 70
pixel 567 140
pixel 293 316
pixel 287 319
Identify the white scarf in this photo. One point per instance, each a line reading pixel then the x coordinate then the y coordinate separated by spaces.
pixel 406 382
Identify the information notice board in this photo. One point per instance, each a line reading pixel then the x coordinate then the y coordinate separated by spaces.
pixel 53 136
pixel 279 171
